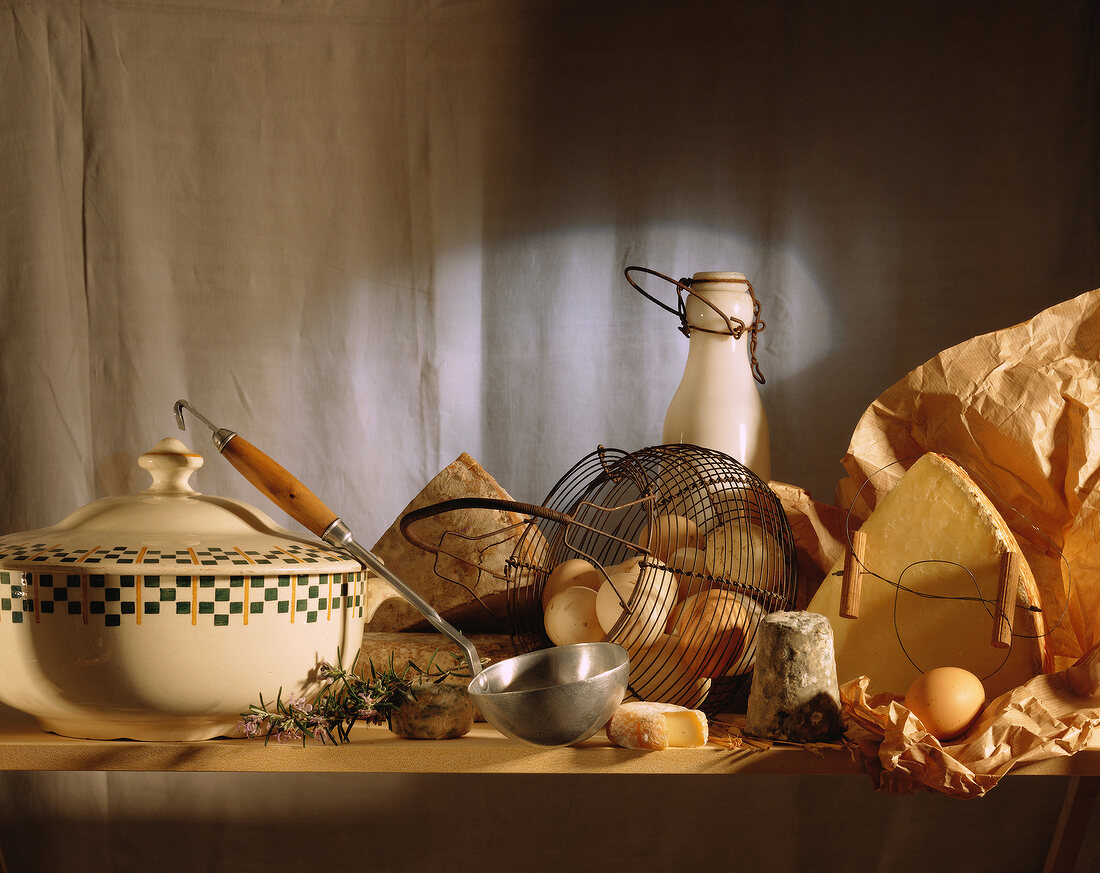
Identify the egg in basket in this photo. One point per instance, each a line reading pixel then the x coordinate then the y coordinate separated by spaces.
pixel 674 552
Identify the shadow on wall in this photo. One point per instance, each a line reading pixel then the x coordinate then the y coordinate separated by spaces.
pixel 914 172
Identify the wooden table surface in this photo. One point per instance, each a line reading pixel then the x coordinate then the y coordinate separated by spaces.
pixel 24 746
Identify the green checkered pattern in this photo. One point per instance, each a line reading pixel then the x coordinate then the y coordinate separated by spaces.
pixel 218 601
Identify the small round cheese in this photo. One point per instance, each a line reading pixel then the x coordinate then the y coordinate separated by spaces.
pixel 657 726
pixel 718 631
pixel 664 671
pixel 745 552
pixel 437 711
pixel 692 570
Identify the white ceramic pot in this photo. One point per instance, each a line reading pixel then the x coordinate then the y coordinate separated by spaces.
pixel 162 615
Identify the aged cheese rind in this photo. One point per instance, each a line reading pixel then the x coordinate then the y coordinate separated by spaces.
pixel 938 534
pixel 435 649
pixel 437 712
pixel 794 695
pixel 478 577
pixel 650 726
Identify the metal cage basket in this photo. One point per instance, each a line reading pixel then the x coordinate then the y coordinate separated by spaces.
pixel 688 548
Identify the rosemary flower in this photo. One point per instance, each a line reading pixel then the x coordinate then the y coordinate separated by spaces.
pixel 345 697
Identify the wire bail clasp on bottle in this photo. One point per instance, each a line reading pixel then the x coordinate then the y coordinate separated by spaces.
pixel 735 327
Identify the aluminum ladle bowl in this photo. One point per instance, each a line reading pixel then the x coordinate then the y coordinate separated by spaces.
pixel 553 697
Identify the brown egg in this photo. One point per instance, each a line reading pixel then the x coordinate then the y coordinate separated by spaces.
pixel 947 700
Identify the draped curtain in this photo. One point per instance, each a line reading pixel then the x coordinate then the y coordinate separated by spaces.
pixel 372 235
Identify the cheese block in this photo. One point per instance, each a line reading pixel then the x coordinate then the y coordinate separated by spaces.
pixel 939 538
pixel 657 726
pixel 794 695
pixel 465 582
pixel 431 651
pixel 435 711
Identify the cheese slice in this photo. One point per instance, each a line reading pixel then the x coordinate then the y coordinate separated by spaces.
pixel 657 726
pixel 935 534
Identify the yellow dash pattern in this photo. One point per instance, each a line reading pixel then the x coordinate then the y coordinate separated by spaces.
pixel 247 582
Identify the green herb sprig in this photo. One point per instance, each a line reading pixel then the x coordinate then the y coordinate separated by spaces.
pixel 346 697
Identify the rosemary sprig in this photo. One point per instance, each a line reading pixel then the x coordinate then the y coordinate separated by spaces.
pixel 345 698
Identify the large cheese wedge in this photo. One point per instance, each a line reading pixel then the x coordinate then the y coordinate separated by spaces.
pixel 933 539
pixel 465 581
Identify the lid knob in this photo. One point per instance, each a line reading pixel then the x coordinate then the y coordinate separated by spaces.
pixel 171 464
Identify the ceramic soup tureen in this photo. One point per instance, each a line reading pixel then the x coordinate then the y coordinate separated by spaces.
pixel 162 615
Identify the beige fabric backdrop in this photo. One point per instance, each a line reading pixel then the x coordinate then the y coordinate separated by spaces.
pixel 371 235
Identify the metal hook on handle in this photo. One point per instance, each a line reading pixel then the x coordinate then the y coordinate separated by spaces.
pixel 221 435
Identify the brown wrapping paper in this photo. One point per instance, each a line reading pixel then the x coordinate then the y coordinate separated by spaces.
pixel 819 536
pixel 1019 409
pixel 1044 718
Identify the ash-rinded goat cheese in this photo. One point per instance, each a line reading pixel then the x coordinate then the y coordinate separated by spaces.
pixel 794 695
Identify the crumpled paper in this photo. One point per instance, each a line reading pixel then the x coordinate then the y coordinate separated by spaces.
pixel 1044 718
pixel 819 533
pixel 1019 409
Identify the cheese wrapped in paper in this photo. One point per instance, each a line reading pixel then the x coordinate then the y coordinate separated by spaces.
pixel 1020 409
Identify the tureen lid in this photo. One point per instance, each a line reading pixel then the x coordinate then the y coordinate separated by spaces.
pixel 169 528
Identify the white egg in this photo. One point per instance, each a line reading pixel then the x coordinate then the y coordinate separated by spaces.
pixel 648 609
pixel 669 533
pixel 570 617
pixel 575 571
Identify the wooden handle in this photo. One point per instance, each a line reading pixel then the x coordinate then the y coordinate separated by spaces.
pixel 281 487
pixel 1006 600
pixel 852 584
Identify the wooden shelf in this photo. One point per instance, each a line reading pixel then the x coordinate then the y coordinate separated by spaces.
pixel 23 746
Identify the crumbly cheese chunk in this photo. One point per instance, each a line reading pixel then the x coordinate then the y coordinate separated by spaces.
pixel 657 726
pixel 936 534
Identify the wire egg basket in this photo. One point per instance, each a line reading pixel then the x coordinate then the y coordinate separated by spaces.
pixel 687 551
